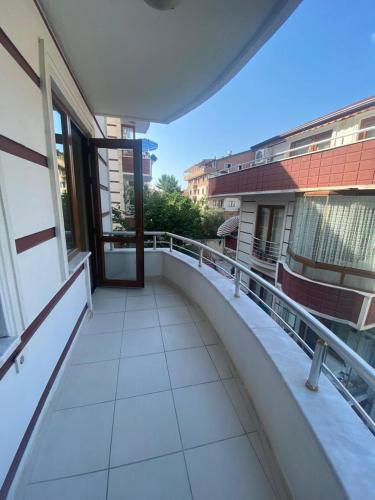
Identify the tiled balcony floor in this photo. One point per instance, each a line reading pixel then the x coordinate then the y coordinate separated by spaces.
pixel 148 407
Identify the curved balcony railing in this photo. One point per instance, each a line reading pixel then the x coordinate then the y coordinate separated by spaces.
pixel 326 339
pixel 363 134
pixel 267 251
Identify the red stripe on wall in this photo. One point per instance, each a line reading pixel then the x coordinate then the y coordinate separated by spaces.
pixel 32 240
pixel 26 437
pixel 335 302
pixel 33 327
pixel 16 149
pixel 18 57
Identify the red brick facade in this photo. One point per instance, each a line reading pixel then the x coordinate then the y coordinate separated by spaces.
pixel 336 302
pixel 349 165
pixel 370 319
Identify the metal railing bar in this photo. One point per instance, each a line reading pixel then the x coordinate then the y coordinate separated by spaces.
pixel 332 144
pixel 366 372
pixel 349 357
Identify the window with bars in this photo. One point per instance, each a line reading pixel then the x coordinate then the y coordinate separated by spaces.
pixel 336 229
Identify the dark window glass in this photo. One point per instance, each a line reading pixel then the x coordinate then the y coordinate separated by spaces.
pixel 64 177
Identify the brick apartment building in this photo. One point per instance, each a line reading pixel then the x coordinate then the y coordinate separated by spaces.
pixel 307 219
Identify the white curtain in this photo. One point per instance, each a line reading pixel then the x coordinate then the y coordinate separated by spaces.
pixel 338 230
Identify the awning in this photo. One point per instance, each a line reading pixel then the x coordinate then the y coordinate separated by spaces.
pixel 229 226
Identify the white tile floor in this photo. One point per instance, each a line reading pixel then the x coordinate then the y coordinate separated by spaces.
pixel 148 407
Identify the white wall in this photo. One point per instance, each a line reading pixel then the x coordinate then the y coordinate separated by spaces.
pixel 247 227
pixel 30 202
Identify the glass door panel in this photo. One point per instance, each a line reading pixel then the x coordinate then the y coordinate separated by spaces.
pixel 119 211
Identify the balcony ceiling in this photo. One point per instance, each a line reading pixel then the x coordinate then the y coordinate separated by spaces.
pixel 132 60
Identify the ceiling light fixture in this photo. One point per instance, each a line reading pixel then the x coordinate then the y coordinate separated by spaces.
pixel 162 4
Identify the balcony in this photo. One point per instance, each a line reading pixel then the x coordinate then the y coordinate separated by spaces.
pixel 128 167
pixel 150 392
pixel 160 394
pixel 347 161
pixel 266 251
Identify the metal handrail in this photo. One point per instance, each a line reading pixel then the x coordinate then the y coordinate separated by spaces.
pixel 325 336
pixel 366 372
pixel 275 243
pixel 272 157
pixel 363 369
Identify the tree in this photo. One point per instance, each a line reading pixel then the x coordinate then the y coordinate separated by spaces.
pixel 168 184
pixel 174 213
pixel 171 212
pixel 211 220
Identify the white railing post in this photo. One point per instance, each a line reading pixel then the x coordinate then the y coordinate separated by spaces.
pixel 320 352
pixel 154 242
pixel 237 281
pixel 170 244
pixel 200 257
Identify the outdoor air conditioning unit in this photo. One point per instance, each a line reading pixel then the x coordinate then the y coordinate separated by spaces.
pixel 261 156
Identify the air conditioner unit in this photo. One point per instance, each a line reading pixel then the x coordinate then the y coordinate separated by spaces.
pixel 261 156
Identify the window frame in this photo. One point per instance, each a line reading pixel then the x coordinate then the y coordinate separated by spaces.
pixel 66 141
pixel 269 228
pixel 311 148
pixel 128 126
pixel 364 124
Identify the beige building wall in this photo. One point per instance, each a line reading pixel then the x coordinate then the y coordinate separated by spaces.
pixel 116 178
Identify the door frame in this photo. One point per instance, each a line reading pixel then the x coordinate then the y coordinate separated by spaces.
pixel 100 237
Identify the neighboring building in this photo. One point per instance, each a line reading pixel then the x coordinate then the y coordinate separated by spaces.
pixel 197 177
pixel 307 220
pixel 121 168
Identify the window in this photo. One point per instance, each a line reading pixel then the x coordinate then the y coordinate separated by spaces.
pixel 70 164
pixel 268 232
pixel 128 131
pixel 366 123
pixel 309 143
pixel 257 290
pixel 337 230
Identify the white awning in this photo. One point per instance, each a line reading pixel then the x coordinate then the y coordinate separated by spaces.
pixel 229 226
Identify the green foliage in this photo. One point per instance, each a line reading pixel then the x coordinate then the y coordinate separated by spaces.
pixel 118 219
pixel 171 212
pixel 168 184
pixel 211 219
pixel 174 213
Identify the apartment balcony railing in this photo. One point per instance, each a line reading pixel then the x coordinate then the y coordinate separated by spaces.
pixel 267 251
pixel 360 135
pixel 281 306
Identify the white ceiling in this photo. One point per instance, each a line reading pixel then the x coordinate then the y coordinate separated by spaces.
pixel 132 60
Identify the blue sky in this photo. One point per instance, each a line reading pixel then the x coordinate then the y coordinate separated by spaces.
pixel 322 58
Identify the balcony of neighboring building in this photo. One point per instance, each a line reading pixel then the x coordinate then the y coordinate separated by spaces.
pixel 128 166
pixel 330 263
pixel 322 164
